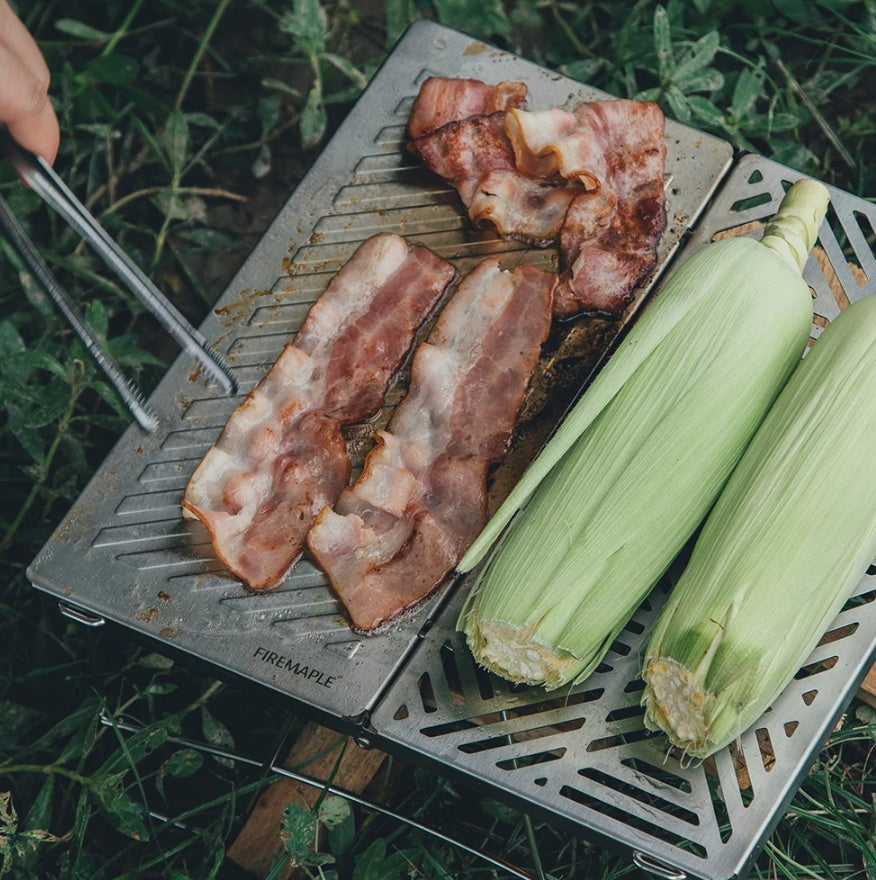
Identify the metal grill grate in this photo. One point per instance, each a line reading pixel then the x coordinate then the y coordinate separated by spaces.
pixel 125 554
pixel 584 754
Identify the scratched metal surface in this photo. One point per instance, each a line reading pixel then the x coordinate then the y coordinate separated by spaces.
pixel 124 552
pixel 584 755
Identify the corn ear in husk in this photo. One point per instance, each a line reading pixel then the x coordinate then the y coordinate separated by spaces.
pixel 640 459
pixel 788 540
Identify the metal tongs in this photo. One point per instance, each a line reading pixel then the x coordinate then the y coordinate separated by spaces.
pixel 43 180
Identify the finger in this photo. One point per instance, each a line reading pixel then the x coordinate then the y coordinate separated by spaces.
pixel 18 40
pixel 24 102
pixel 38 131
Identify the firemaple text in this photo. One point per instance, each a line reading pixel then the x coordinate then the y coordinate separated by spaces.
pixel 310 673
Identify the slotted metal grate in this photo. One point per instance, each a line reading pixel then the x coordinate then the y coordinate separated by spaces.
pixel 126 555
pixel 584 754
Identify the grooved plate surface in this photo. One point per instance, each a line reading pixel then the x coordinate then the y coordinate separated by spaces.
pixel 584 754
pixel 125 553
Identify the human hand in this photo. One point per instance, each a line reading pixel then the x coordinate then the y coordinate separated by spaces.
pixel 24 97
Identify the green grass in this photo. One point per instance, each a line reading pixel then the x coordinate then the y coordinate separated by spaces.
pixel 186 125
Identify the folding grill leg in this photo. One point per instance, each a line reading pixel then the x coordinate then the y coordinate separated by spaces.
pixel 125 726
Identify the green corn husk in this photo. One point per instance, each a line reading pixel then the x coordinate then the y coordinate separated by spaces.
pixel 636 465
pixel 787 542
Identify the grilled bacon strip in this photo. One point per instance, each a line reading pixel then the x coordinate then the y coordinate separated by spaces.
pixel 465 150
pixel 421 498
pixel 590 180
pixel 282 457
pixel 608 242
pixel 445 99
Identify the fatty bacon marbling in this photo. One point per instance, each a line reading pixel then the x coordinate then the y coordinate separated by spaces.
pixel 421 500
pixel 282 457
pixel 590 179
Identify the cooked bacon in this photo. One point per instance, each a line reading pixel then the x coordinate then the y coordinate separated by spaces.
pixel 463 151
pixel 477 158
pixel 421 498
pixel 446 99
pixel 281 457
pixel 260 523
pixel 521 207
pixel 609 239
pixel 550 143
pixel 591 179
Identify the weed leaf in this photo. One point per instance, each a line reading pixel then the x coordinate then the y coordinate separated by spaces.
pixel 261 165
pixel 374 864
pixel 270 82
pixel 334 811
pixel 178 206
pixel 47 406
pixel 678 103
pixel 40 813
pixel 337 817
pixel 700 56
pixel 97 317
pixel 79 29
pixel 139 746
pixel 207 240
pixel 33 360
pixel 705 80
pixel 369 865
pixel 313 118
pixel 154 660
pixel 127 815
pixel 663 45
pixel 176 140
pixel 746 91
pixel 217 734
pixel 297 830
pixel 184 762
pixel 307 23
pixel 499 810
pixel 798 11
pixel 72 724
pixel 399 14
pixel 160 688
pixel 705 111
pixel 269 108
pixel 180 765
pixel 85 724
pixel 29 440
pixel 33 292
pixel 18 847
pixel 866 715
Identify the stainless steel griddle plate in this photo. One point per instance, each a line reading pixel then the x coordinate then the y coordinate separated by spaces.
pixel 584 754
pixel 125 554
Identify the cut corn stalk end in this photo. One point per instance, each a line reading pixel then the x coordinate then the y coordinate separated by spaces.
pixel 512 653
pixel 674 703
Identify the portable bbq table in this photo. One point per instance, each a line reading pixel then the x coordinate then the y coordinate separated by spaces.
pixel 125 555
